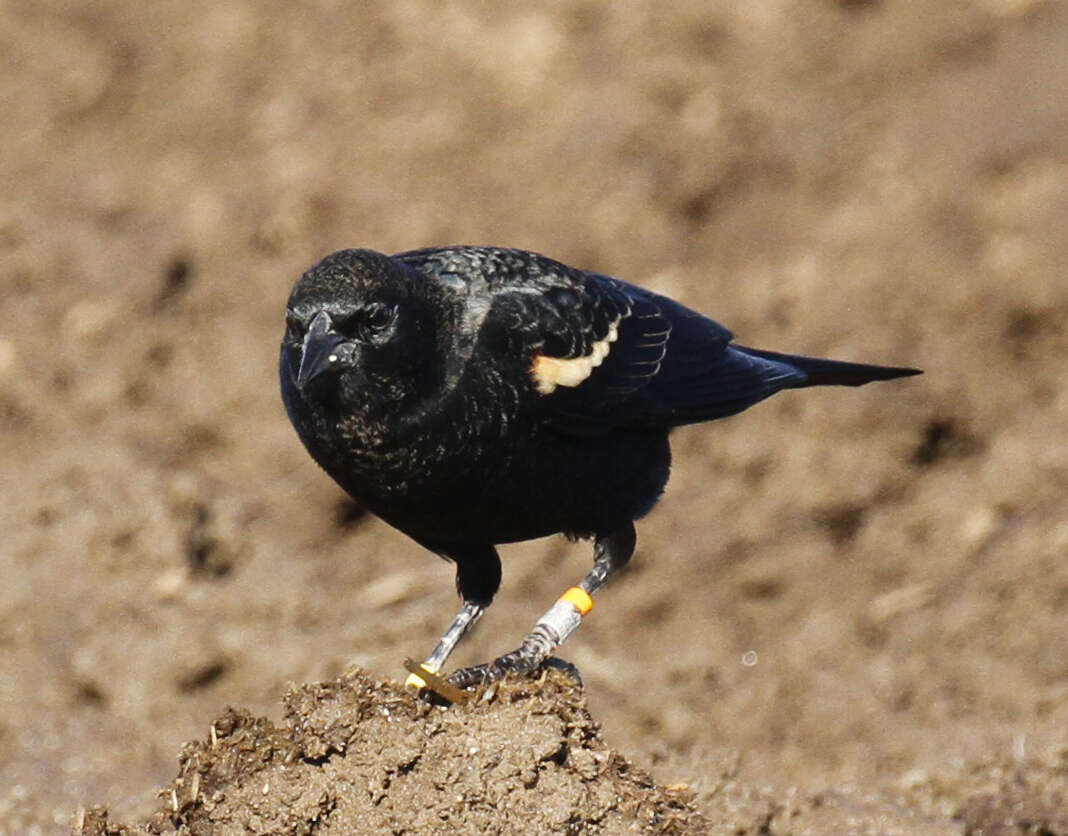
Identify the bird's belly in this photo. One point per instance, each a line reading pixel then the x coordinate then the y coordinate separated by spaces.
pixel 553 484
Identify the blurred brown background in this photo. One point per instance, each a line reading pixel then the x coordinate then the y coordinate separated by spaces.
pixel 880 181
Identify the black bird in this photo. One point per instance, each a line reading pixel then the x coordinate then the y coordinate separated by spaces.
pixel 472 396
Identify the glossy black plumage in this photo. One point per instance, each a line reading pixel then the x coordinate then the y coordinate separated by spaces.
pixel 474 396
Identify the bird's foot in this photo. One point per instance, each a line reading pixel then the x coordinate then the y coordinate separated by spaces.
pixel 516 662
pixel 524 660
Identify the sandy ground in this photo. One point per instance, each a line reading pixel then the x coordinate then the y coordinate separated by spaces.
pixel 852 605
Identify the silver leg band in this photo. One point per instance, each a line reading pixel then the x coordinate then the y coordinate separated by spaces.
pixel 561 620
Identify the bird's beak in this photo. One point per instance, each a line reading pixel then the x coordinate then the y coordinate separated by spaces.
pixel 320 352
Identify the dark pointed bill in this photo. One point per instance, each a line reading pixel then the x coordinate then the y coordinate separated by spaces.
pixel 320 352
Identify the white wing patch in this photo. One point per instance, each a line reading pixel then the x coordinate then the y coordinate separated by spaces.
pixel 550 372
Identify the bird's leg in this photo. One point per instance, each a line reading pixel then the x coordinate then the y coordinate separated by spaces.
pixel 611 553
pixel 478 576
pixel 465 619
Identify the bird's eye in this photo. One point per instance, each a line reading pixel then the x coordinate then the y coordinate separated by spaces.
pixel 365 323
pixel 378 317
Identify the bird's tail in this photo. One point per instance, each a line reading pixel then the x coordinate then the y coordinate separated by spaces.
pixel 821 372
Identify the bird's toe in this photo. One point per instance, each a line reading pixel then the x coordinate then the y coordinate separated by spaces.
pixel 515 662
pixel 472 676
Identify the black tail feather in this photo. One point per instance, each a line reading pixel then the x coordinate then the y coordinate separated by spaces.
pixel 821 372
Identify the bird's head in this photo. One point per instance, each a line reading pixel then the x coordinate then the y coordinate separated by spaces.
pixel 360 334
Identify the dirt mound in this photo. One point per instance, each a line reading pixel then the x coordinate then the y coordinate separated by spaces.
pixel 359 755
pixel 362 755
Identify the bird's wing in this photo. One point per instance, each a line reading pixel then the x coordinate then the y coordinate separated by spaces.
pixel 597 353
pixel 667 366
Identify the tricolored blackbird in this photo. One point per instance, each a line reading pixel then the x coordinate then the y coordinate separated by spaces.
pixel 471 396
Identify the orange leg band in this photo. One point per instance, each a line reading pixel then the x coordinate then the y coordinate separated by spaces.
pixel 578 598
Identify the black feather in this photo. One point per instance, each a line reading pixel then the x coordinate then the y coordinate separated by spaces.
pixel 821 372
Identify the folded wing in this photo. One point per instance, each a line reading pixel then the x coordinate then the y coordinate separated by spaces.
pixel 600 353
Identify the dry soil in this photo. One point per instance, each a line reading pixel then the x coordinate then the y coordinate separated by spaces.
pixel 849 613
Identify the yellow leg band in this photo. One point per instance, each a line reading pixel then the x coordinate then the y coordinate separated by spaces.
pixel 414 680
pixel 578 598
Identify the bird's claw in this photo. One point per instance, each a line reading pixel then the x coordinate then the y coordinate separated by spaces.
pixel 515 662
